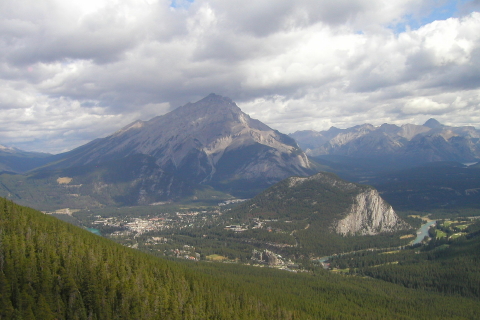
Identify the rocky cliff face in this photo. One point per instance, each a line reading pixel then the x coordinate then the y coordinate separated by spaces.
pixel 369 215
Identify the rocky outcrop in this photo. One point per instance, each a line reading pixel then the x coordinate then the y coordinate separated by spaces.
pixel 369 215
pixel 267 257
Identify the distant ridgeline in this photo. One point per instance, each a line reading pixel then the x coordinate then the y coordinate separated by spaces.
pixel 406 145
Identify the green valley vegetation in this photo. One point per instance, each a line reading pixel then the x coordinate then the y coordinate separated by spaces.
pixel 449 263
pixel 52 270
pixel 296 222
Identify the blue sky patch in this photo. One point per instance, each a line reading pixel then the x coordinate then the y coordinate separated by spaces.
pixel 181 3
pixel 442 11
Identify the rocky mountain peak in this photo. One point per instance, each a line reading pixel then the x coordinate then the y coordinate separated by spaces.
pixel 209 141
pixel 433 124
pixel 210 105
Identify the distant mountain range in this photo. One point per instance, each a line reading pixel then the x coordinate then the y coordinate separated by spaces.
pixel 408 144
pixel 16 160
pixel 207 145
pixel 211 150
pixel 414 167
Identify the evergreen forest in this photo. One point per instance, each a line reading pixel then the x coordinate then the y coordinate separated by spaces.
pixel 50 269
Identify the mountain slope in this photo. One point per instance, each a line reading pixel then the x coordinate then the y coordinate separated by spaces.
pixel 313 217
pixel 52 270
pixel 440 185
pixel 210 142
pixel 209 146
pixel 203 132
pixel 409 143
pixel 16 160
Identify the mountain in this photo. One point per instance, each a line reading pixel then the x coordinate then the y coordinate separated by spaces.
pixel 317 215
pixel 343 207
pixel 406 145
pixel 19 161
pixel 208 145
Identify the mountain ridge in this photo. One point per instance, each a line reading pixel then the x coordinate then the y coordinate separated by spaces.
pixel 216 123
pixel 416 144
pixel 19 161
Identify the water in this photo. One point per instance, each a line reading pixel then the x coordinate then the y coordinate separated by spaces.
pixel 323 259
pixel 95 231
pixel 423 231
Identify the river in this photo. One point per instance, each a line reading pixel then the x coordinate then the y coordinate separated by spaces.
pixel 423 231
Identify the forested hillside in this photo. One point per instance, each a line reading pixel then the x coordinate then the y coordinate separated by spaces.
pixel 52 270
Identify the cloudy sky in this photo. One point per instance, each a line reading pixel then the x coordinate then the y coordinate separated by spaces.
pixel 72 71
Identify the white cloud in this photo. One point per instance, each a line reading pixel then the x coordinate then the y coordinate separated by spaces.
pixel 424 106
pixel 72 71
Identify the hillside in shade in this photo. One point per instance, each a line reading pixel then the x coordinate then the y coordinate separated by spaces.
pixel 16 160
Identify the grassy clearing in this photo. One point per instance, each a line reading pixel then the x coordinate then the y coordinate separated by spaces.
pixel 447 223
pixel 440 234
pixel 341 271
pixel 216 257
pixel 391 252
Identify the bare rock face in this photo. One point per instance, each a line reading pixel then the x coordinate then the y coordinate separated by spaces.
pixel 369 215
